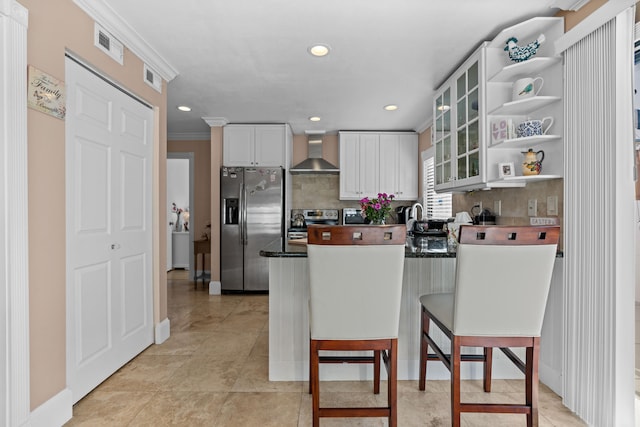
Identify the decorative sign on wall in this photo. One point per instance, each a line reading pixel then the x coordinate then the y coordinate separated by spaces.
pixel 502 129
pixel 46 93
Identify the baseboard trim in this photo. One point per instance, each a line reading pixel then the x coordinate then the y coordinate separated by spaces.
pixel 215 287
pixel 55 411
pixel 163 331
pixel 552 378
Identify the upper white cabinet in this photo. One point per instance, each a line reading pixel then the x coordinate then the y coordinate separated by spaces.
pixel 359 160
pixel 476 113
pixel 378 162
pixel 255 145
pixel 399 165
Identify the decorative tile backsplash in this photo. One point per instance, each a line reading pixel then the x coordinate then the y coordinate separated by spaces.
pixel 323 191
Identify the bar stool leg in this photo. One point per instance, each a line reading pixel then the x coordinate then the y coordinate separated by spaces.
pixel 424 328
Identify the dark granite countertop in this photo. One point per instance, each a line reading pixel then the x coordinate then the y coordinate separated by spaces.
pixel 276 249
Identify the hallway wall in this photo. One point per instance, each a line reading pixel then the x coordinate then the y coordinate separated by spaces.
pixel 200 212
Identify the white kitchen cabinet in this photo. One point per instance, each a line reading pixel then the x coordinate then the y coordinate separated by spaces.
pixel 378 162
pixel 359 163
pixel 254 145
pixel 477 98
pixel 459 111
pixel 399 165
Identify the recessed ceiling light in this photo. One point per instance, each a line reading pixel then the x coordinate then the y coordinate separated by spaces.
pixel 391 107
pixel 314 118
pixel 319 50
pixel 184 108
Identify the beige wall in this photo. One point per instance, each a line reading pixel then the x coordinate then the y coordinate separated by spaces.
pixel 330 149
pixel 571 19
pixel 200 213
pixel 53 27
pixel 216 164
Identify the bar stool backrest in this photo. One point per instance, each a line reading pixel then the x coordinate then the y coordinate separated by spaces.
pixel 355 277
pixel 503 276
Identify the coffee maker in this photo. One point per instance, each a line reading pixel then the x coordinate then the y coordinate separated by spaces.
pixel 403 213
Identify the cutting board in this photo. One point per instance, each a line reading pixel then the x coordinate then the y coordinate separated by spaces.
pixel 297 241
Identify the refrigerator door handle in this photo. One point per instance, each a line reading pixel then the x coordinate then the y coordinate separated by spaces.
pixel 241 215
pixel 244 232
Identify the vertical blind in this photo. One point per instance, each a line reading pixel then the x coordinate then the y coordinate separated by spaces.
pixel 595 94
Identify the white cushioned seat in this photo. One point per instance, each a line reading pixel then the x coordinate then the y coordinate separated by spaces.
pixel 441 305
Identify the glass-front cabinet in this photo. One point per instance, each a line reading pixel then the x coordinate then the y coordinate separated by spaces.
pixel 442 137
pixel 480 121
pixel 467 123
pixel 458 109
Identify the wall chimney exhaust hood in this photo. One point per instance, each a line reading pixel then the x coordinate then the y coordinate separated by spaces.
pixel 314 164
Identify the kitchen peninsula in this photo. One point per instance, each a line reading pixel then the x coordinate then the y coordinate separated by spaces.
pixel 424 272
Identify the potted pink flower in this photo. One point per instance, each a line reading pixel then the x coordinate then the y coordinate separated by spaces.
pixel 377 209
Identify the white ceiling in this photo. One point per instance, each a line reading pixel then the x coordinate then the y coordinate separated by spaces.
pixel 247 61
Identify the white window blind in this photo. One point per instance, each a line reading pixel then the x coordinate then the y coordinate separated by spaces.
pixel 437 206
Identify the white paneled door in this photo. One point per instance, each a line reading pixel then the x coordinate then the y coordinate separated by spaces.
pixel 109 237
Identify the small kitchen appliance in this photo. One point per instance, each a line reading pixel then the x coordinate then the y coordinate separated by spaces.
pixel 352 216
pixel 430 235
pixel 403 213
pixel 482 216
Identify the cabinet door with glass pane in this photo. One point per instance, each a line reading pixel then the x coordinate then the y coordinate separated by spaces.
pixel 442 138
pixel 468 111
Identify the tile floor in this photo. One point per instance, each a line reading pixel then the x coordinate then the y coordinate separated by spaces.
pixel 212 371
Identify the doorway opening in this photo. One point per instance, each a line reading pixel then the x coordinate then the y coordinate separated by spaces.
pixel 180 203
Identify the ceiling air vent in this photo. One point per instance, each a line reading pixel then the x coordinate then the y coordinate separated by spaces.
pixel 104 41
pixel 152 78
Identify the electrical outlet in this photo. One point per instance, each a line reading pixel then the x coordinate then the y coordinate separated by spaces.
pixel 532 207
pixel 497 207
pixel 552 205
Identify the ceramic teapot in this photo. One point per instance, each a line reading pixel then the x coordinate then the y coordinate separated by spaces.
pixel 532 165
pixel 533 127
pixel 298 220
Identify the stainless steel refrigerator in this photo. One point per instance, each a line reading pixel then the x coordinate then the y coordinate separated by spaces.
pixel 252 216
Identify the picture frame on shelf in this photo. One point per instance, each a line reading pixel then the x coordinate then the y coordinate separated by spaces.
pixel 506 170
pixel 502 129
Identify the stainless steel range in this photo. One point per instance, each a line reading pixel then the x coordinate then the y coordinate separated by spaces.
pixel 300 218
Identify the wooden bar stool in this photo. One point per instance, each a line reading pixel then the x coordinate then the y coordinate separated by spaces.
pixel 503 276
pixel 355 289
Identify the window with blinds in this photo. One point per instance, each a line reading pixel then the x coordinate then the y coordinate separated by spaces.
pixel 437 206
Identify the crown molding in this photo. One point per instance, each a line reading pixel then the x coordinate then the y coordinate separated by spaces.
pixel 216 121
pixel 15 11
pixel 121 30
pixel 189 136
pixel 424 125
